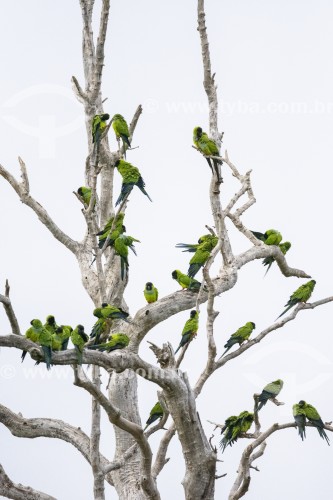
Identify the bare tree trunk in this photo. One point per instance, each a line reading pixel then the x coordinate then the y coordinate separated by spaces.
pixel 123 394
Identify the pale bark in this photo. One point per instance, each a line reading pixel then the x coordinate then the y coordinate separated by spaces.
pixel 19 492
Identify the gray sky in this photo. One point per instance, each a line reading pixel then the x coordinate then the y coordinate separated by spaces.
pixel 273 67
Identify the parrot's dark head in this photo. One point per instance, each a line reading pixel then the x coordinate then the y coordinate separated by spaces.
pixel 105 117
pixel 117 163
pixel 174 274
pixel 80 328
pixel 80 191
pixel 193 314
pixel 253 324
pixel 50 320
pixel 149 286
pixel 59 329
pixel 105 304
pixel 301 403
pixel 123 228
pixel 313 282
pixel 197 132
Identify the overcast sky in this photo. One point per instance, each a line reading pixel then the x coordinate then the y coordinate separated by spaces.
pixel 274 72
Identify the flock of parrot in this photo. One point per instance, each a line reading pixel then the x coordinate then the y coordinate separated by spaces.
pixel 236 426
pixel 52 337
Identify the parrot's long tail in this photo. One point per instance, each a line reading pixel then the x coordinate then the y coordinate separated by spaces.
pixel 323 435
pixel 285 311
pixel 47 355
pixel 23 355
pixel 79 355
pixel 217 168
pixel 193 269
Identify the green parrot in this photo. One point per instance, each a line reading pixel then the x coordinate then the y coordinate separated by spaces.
pixel 268 261
pixel 155 413
pixel 105 315
pixel 56 341
pixel 79 338
pixel 270 391
pixel 45 338
pixel 118 229
pixel 201 256
pixel 107 311
pixel 234 427
pixel 313 416
pixel 98 126
pixel 242 334
pixel 300 419
pixel 32 334
pixel 121 130
pixel 51 324
pixel 193 247
pixel 227 429
pixel 208 147
pixel 131 177
pixel 85 194
pixel 190 329
pixel 185 281
pixel 64 333
pixel 150 292
pixel 115 341
pixel 100 330
pixel 121 245
pixel 302 294
pixel 270 237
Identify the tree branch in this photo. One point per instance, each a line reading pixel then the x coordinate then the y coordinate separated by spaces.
pixel 275 326
pixel 242 482
pixel 22 190
pixel 50 428
pixel 17 491
pixel 209 83
pixel 9 310
pixel 95 435
pixel 147 481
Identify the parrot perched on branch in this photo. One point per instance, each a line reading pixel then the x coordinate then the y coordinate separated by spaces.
pixel 300 418
pixel 234 427
pixel 313 416
pixel 51 324
pixel 302 294
pixel 85 194
pixel 45 338
pixel 201 256
pixel 155 413
pixel 131 177
pixel 64 332
pixel 242 334
pixel 185 281
pixel 79 338
pixel 270 391
pixel 105 314
pixel 118 229
pixel 121 245
pixel 268 261
pixel 209 148
pixel 98 126
pixel 150 292
pixel 115 341
pixel 193 247
pixel 270 237
pixel 121 130
pixel 32 334
pixel 190 329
